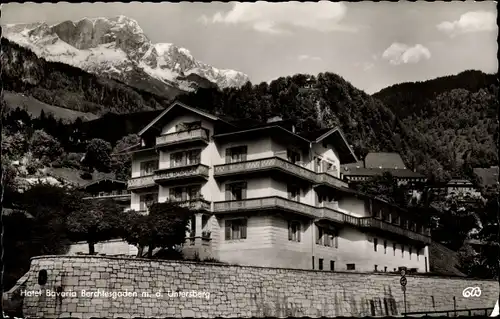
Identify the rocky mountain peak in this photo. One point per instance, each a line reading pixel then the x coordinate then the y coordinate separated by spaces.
pixel 117 47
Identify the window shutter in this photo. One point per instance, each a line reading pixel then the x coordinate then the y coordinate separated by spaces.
pixel 184 159
pixel 244 153
pixel 318 237
pixel 228 155
pixel 243 229
pixel 244 190
pixel 228 229
pixel 171 160
pixel 290 231
pixel 228 191
pixel 336 239
pixel 298 232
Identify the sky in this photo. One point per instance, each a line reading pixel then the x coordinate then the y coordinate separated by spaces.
pixel 370 44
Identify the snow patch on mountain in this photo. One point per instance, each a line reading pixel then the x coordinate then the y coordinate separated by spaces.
pixel 117 47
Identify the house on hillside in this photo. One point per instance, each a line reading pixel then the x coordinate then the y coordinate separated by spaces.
pixel 106 188
pixel 462 189
pixel 269 196
pixel 376 164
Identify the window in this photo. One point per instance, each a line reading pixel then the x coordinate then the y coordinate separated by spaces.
pixel 186 126
pixel 177 159
pixel 396 220
pixel 236 191
pixel 294 231
pixel 194 192
pixel 326 237
pixel 236 154
pixel 394 248
pixel 317 164
pixel 177 194
pixel 351 266
pixel 193 157
pixel 293 192
pixel 402 250
pixel 332 265
pixel 148 167
pixel 293 156
pixel 375 244
pixel 236 229
pixel 146 200
pixel 320 264
pixel 385 246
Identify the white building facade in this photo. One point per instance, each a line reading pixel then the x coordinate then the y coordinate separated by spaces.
pixel 270 197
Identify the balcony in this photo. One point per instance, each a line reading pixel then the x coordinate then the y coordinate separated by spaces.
pixel 141 182
pixel 194 204
pixel 262 203
pixel 186 172
pixel 370 222
pixel 199 135
pixel 330 180
pixel 272 163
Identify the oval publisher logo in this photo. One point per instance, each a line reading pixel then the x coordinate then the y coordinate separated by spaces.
pixel 471 292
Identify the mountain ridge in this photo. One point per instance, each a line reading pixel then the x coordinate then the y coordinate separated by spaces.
pixel 118 48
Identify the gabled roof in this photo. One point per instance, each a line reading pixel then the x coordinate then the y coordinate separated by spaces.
pixel 103 180
pixel 400 173
pixel 347 156
pixel 384 160
pixel 179 104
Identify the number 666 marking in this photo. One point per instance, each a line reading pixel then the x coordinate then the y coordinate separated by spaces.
pixel 471 292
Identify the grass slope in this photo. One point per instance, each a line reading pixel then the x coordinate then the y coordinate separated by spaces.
pixel 34 107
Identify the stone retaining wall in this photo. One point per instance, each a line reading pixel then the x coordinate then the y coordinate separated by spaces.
pixel 226 290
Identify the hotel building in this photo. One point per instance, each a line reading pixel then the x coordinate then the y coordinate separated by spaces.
pixel 267 196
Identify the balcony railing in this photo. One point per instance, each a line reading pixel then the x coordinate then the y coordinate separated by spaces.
pixel 183 136
pixel 324 212
pixel 278 163
pixel 265 203
pixel 141 182
pixel 370 222
pixel 264 164
pixel 326 178
pixel 195 204
pixel 180 172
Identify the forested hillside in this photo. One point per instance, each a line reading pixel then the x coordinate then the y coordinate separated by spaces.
pixel 456 116
pixel 65 86
pixel 442 127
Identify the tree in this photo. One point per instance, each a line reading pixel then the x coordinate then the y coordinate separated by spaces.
pixel 36 227
pixel 45 147
pixel 97 155
pixel 164 227
pixel 122 162
pixel 95 221
pixel 14 145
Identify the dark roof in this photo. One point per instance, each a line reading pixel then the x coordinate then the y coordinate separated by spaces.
pixel 401 173
pixel 104 180
pixel 487 176
pixel 384 160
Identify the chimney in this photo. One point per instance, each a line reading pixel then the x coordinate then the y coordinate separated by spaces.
pixel 274 119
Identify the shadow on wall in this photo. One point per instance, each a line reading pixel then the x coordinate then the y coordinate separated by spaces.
pixel 337 306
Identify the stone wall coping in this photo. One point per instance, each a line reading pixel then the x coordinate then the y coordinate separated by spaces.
pixel 201 263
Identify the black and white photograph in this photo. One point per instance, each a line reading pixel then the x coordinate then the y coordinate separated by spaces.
pixel 250 159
